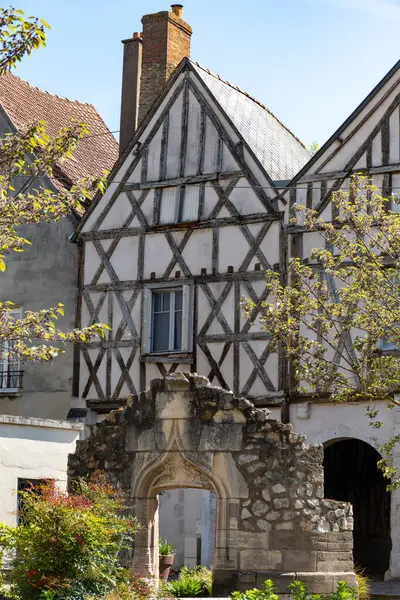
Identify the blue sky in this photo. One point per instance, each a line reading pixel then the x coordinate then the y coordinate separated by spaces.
pixel 310 61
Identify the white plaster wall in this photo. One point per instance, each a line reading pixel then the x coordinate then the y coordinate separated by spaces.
pixel 330 421
pixel 32 448
pixel 185 515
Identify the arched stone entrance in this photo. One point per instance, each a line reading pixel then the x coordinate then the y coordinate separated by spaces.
pixel 272 519
pixel 352 475
pixel 174 470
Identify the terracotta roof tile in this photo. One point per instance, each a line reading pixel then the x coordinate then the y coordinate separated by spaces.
pixel 26 104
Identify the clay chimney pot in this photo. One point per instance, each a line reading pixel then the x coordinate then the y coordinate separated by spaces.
pixel 177 10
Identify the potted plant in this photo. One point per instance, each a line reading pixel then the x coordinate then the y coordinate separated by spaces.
pixel 166 552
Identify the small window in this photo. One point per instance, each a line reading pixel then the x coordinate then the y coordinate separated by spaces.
pixel 167 320
pixel 25 485
pixel 179 204
pixel 10 367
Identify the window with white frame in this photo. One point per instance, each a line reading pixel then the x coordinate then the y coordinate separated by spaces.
pixel 167 320
pixel 386 343
pixel 10 366
pixel 179 204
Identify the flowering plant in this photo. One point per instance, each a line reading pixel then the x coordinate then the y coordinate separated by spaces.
pixel 68 546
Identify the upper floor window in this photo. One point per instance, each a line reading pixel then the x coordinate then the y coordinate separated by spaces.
pixel 180 204
pixel 167 320
pixel 10 365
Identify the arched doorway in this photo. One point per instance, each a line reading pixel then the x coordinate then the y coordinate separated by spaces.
pixel 351 474
pixel 187 519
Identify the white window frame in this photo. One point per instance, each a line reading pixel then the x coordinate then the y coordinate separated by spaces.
pixel 4 365
pixel 187 318
pixel 389 346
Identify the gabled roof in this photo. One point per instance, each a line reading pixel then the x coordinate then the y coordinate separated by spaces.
pixel 25 104
pixel 336 135
pixel 279 151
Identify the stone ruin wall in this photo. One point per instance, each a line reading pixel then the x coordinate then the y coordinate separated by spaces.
pixel 272 519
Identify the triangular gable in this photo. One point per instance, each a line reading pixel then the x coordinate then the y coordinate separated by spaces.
pixel 368 139
pixel 227 145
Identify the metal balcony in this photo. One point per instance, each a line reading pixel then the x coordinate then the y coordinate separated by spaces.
pixel 11 380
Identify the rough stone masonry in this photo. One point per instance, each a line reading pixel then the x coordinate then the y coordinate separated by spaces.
pixel 272 519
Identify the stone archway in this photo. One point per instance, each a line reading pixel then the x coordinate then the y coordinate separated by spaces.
pixel 272 519
pixel 352 475
pixel 176 470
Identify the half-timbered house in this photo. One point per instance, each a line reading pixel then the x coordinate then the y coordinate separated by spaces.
pixel 189 224
pixel 197 209
pixel 367 142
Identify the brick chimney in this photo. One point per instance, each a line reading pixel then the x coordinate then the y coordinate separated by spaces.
pixel 166 41
pixel 131 75
pixel 149 60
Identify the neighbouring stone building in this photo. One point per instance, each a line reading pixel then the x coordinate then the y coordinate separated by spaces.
pixel 197 209
pixel 36 399
pixel 272 520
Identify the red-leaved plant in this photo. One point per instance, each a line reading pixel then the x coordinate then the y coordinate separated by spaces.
pixel 67 547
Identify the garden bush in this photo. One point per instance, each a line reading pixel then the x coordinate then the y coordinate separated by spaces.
pixel 67 547
pixel 298 591
pixel 191 583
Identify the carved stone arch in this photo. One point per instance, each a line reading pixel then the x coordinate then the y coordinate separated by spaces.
pixel 174 470
pixel 271 514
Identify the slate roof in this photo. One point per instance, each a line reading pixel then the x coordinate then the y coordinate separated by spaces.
pixel 25 104
pixel 280 152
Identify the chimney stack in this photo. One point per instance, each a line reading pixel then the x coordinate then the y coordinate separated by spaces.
pixel 131 75
pixel 166 42
pixel 149 60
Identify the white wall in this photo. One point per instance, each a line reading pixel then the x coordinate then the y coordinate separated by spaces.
pixel 32 448
pixel 185 516
pixel 328 421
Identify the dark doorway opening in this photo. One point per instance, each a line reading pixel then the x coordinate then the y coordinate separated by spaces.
pixel 352 475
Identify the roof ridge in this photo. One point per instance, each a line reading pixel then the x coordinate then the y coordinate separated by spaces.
pixel 49 93
pixel 237 88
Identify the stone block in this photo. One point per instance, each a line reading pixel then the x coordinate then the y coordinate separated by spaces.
pixel 340 536
pixel 281 503
pixel 317 583
pixel 221 437
pixel 259 508
pixel 288 526
pixel 224 582
pixel 334 566
pixel 344 555
pixel 248 539
pixel 300 560
pixel 289 540
pixel 278 489
pixel 281 581
pixel 348 577
pixel 264 525
pixel 270 560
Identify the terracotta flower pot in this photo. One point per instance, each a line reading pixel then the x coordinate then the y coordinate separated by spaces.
pixel 165 564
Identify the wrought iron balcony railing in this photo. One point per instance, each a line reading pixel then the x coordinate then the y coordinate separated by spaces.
pixel 11 380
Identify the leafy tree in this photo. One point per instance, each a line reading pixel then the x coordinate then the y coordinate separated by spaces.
pixel 313 148
pixel 67 547
pixel 337 317
pixel 25 158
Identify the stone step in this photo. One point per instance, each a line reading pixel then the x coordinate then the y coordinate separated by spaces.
pixel 385 589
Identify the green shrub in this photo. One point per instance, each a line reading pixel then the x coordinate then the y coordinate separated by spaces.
pixel 191 583
pixel 66 547
pixel 165 548
pixel 298 591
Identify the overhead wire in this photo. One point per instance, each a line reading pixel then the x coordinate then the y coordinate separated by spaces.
pixel 251 187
